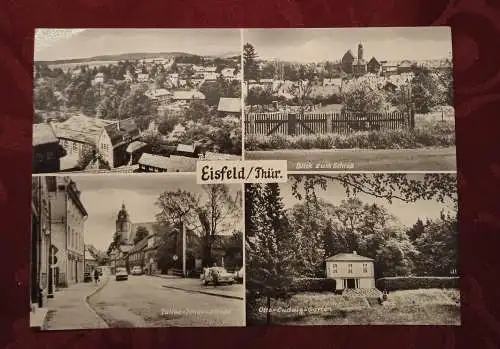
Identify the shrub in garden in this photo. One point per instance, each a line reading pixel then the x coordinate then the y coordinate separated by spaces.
pixel 313 285
pixel 416 282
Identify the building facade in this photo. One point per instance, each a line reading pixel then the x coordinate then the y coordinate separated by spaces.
pixel 68 217
pixel 351 271
pixel 41 283
pixel 46 149
pixel 81 137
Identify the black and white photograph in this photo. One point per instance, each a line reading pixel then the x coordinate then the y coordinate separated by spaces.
pixel 353 249
pixel 135 100
pixel 132 251
pixel 350 99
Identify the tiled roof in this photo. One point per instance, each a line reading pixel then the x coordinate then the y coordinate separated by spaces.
pixel 82 129
pixel 349 53
pixel 135 145
pixel 122 131
pixel 43 134
pixel 193 94
pixel 346 257
pixel 171 164
pixel 229 105
pixel 188 148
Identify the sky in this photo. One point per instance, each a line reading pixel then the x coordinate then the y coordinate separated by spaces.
pixel 57 44
pixel 406 213
pixel 103 196
pixel 315 45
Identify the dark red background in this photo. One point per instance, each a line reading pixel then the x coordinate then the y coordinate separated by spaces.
pixel 476 33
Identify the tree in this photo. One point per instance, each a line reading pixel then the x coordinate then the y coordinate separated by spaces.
pixel 416 231
pixel 90 102
pixel 441 187
pixel 438 246
pixel 45 98
pixel 361 98
pixel 86 156
pixel 140 234
pixel 135 104
pixel 250 66
pixel 209 215
pixel 259 96
pixel 425 90
pixel 270 249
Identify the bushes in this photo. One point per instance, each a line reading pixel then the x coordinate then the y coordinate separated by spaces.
pixel 393 139
pixel 413 283
pixel 313 285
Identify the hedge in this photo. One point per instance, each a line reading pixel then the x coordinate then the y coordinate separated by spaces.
pixel 313 285
pixel 416 282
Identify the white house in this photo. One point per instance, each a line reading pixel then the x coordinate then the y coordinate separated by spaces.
pixel 143 77
pixel 98 79
pixel 350 270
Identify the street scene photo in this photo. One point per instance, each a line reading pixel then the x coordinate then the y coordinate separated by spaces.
pixel 355 99
pixel 135 100
pixel 133 251
pixel 353 249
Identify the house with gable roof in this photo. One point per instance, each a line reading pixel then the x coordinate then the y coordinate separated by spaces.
pixel 351 271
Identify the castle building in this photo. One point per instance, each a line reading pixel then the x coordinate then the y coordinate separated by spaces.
pixel 357 65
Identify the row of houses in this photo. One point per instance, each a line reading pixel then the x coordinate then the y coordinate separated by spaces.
pixel 147 251
pixel 60 146
pixel 57 237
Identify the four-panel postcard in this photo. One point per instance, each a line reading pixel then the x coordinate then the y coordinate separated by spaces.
pixel 243 177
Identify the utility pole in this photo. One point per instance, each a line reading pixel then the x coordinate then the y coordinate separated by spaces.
pixel 183 249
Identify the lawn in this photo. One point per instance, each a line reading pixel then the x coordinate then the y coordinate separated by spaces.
pixel 441 159
pixel 410 307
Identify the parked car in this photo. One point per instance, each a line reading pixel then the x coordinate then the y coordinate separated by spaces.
pixel 216 276
pixel 137 270
pixel 121 274
pixel 239 275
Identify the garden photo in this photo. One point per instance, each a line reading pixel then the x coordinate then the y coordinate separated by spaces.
pixel 353 249
pixel 363 99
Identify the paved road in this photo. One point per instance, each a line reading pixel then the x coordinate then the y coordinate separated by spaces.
pixel 443 159
pixel 143 301
pixel 236 291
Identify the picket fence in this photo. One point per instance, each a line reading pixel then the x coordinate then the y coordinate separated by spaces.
pixel 284 123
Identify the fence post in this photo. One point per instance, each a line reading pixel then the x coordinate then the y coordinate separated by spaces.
pixel 292 123
pixel 251 124
pixel 412 117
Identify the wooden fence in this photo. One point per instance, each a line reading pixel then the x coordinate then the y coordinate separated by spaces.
pixel 283 123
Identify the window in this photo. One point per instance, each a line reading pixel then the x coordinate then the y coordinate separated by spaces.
pixel 349 268
pixel 365 268
pixel 334 268
pixel 75 146
pixel 39 157
pixel 50 155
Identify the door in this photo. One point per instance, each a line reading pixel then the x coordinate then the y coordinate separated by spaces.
pixel 351 283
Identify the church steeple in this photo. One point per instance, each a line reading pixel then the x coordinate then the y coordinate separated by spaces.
pixel 123 224
pixel 360 51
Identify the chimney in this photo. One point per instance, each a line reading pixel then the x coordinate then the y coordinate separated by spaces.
pixel 354 252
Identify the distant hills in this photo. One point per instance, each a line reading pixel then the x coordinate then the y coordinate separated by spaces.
pixel 136 56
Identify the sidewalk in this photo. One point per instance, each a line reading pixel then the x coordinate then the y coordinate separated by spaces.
pixel 235 291
pixel 69 308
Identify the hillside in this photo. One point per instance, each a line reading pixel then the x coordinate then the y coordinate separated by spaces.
pixel 120 57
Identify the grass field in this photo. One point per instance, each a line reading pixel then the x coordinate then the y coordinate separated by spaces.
pixel 440 159
pixel 411 307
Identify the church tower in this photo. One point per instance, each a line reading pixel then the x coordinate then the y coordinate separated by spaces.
pixel 360 52
pixel 123 224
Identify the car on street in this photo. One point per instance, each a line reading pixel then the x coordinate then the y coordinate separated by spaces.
pixel 137 270
pixel 239 275
pixel 121 274
pixel 216 276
